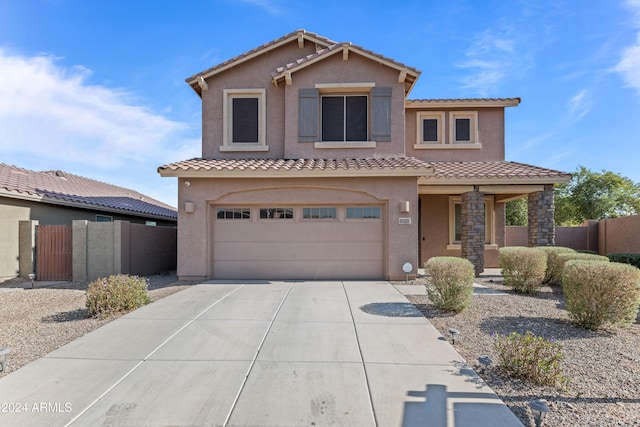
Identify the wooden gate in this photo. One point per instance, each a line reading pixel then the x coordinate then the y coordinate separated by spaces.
pixel 54 252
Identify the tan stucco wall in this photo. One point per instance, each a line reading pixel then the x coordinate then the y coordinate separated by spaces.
pixel 619 235
pixel 10 217
pixel 194 229
pixel 490 135
pixel 335 70
pixel 434 236
pixel 254 74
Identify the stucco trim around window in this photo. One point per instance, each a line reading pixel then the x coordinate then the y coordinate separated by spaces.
pixel 435 117
pixel 229 142
pixel 471 132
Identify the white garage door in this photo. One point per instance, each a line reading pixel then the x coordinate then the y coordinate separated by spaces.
pixel 298 242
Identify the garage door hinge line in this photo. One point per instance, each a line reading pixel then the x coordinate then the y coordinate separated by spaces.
pixel 255 357
pixel 364 367
pixel 149 355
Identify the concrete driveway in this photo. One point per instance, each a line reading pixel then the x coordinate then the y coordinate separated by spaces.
pixel 258 354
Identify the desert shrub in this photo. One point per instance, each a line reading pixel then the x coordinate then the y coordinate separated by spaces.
pixel 561 259
pixel 531 358
pixel 551 275
pixel 451 282
pixel 523 269
pixel 116 294
pixel 601 292
pixel 631 259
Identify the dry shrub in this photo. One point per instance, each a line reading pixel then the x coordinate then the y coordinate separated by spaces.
pixel 531 358
pixel 561 259
pixel 116 295
pixel 523 268
pixel 451 282
pixel 599 292
pixel 552 275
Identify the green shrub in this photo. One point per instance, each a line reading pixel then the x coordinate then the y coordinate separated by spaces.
pixel 451 282
pixel 561 259
pixel 531 358
pixel 631 259
pixel 523 269
pixel 601 292
pixel 551 275
pixel 116 294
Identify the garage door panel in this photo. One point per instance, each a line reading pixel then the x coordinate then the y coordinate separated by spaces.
pixel 298 249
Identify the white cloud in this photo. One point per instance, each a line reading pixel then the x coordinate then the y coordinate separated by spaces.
pixel 491 59
pixel 629 65
pixel 268 5
pixel 579 106
pixel 48 110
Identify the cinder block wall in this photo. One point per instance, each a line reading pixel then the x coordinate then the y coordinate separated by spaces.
pixel 101 249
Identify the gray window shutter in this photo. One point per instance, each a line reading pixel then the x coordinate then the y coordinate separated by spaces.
pixel 308 115
pixel 381 113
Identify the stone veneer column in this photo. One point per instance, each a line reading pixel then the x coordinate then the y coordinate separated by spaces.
pixel 473 229
pixel 542 230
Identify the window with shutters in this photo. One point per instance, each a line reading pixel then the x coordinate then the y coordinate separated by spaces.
pixel 244 127
pixel 353 115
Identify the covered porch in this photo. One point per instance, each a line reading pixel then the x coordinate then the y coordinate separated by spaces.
pixel 462 208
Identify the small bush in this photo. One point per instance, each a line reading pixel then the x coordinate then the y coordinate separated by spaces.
pixel 116 294
pixel 561 259
pixel 523 269
pixel 551 275
pixel 631 259
pixel 531 358
pixel 601 292
pixel 451 281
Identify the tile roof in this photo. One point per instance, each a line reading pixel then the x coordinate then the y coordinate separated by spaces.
pixel 491 170
pixel 244 166
pixel 338 47
pixel 265 47
pixel 67 189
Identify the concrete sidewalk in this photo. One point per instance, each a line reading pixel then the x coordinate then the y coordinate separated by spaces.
pixel 258 354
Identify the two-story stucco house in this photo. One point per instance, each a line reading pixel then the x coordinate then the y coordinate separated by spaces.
pixel 316 164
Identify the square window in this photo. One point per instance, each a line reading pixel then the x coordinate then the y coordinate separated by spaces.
pixel 430 128
pixel 463 127
pixel 344 118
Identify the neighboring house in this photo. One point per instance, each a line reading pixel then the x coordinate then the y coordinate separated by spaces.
pixel 58 198
pixel 315 164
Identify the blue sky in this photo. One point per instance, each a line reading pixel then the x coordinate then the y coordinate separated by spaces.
pixel 97 88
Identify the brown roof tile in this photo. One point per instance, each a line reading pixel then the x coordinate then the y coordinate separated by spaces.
pixel 293 165
pixel 65 188
pixel 481 170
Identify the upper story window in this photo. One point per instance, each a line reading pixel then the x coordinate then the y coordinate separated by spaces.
pixel 344 118
pixel 463 127
pixel 244 118
pixel 430 127
pixel 344 115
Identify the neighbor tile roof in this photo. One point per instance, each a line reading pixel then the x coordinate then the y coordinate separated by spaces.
pixel 482 170
pixel 282 165
pixel 67 189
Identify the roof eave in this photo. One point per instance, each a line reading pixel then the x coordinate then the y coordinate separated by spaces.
pixel 298 173
pixel 466 103
pixel 530 180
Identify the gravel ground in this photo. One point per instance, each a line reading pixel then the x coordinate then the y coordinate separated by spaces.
pixel 603 367
pixel 34 322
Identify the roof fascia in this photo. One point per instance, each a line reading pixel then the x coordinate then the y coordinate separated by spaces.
pixel 494 181
pixel 465 103
pixel 85 206
pixel 193 81
pixel 324 173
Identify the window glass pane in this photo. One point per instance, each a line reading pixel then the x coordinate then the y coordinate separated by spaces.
pixel 233 213
pixel 333 118
pixel 457 222
pixel 245 120
pixel 104 218
pixel 430 130
pixel 363 213
pixel 319 213
pixel 463 129
pixel 276 213
pixel 356 117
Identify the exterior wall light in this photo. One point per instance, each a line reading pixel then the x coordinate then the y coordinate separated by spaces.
pixel 404 207
pixel 189 207
pixel 187 183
